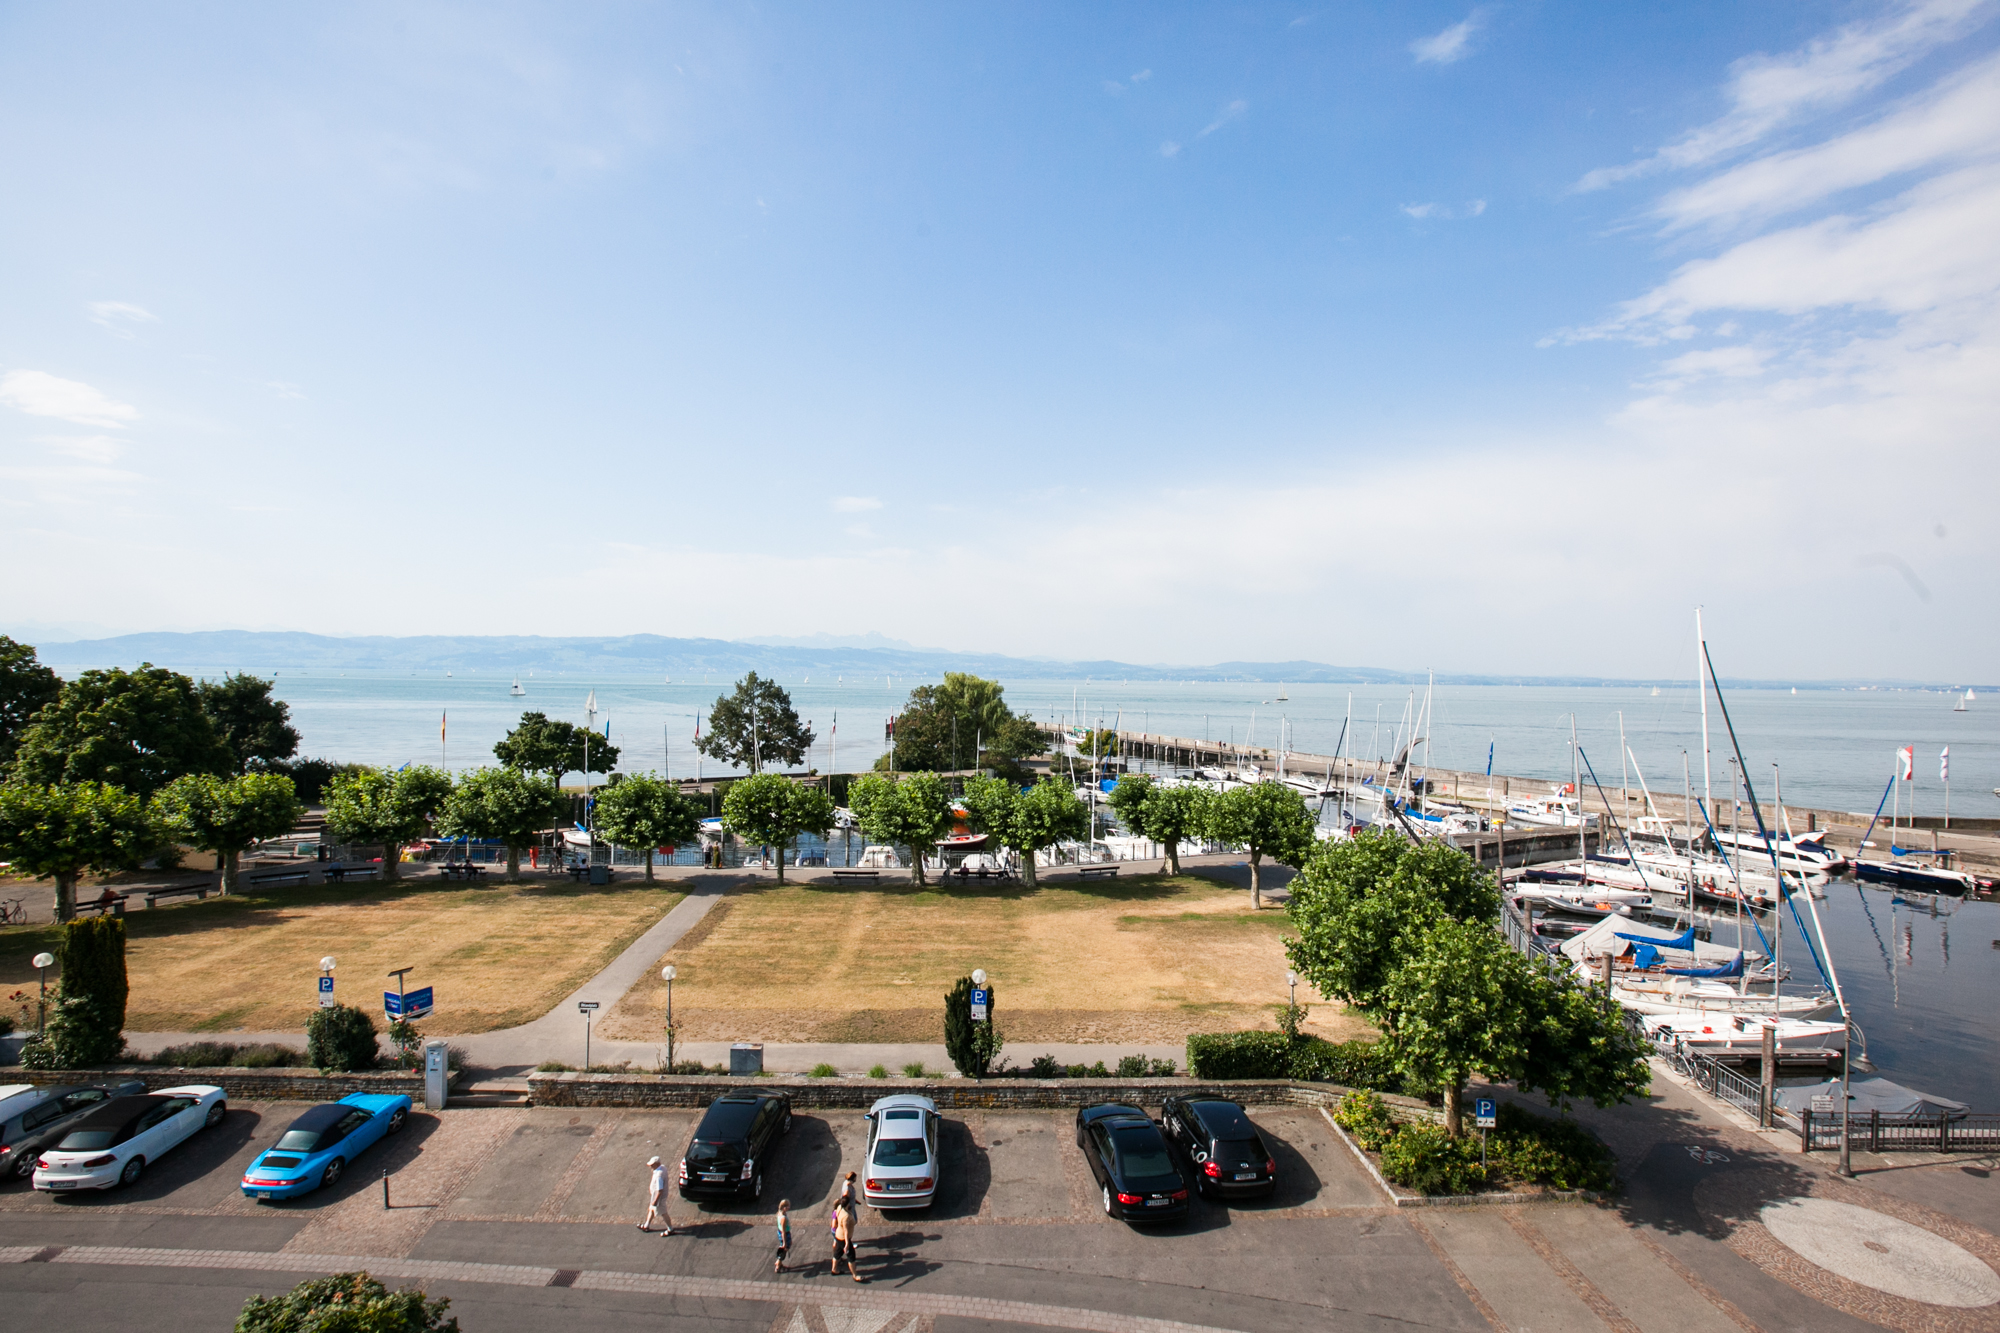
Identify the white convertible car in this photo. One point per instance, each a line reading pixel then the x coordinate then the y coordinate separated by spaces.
pixel 114 1144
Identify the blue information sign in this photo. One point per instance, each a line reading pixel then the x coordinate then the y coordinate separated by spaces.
pixel 416 1004
pixel 1483 1113
pixel 325 991
pixel 981 997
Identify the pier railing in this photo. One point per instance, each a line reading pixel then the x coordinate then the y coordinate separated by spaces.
pixel 1875 1132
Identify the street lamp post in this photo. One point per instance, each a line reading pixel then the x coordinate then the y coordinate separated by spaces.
pixel 43 962
pixel 667 974
pixel 1292 985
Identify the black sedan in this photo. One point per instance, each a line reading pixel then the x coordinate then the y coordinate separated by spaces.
pixel 33 1121
pixel 1130 1162
pixel 1228 1155
pixel 726 1157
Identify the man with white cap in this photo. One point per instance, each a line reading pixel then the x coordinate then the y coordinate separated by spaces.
pixel 656 1197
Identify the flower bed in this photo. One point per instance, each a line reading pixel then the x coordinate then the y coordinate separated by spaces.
pixel 1525 1153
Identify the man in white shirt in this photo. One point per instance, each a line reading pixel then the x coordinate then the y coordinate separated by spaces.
pixel 656 1197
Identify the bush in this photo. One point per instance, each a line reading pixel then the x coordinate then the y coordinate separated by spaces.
pixel 341 1039
pixel 1239 1055
pixel 79 1035
pixel 1045 1066
pixel 1258 1054
pixel 1560 1154
pixel 6 1025
pixel 914 1070
pixel 345 1303
pixel 1132 1066
pixel 691 1067
pixel 1424 1158
pixel 1366 1117
pixel 822 1070
pixel 558 1067
pixel 222 1055
pixel 1089 1071
pixel 877 1071
pixel 972 1046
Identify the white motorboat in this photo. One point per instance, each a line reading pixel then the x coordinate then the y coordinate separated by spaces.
pixel 1806 853
pixel 1583 899
pixel 1740 1034
pixel 1559 809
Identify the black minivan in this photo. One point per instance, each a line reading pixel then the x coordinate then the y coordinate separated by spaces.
pixel 726 1157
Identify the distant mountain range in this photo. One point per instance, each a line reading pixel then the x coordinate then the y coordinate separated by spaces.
pixel 216 651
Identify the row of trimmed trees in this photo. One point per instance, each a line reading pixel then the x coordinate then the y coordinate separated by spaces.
pixel 1264 818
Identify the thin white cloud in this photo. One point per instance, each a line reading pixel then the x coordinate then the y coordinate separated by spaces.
pixel 1442 212
pixel 855 504
pixel 1766 92
pixel 1142 76
pixel 41 394
pixel 120 316
pixel 1451 45
pixel 1170 149
pixel 1113 87
pixel 1227 114
pixel 1957 120
pixel 99 449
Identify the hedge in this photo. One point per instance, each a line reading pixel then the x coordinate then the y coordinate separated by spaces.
pixel 1258 1054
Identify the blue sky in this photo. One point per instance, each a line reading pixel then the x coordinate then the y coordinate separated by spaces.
pixel 1488 338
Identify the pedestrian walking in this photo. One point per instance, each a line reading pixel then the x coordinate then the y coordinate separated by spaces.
pixel 784 1235
pixel 656 1197
pixel 843 1238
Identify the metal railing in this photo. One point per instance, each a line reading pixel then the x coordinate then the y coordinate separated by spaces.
pixel 1724 1083
pixel 1520 932
pixel 1875 1132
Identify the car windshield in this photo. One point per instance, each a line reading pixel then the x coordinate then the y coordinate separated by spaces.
pixel 1141 1153
pixel 899 1152
pixel 87 1140
pixel 299 1140
pixel 699 1152
pixel 1223 1120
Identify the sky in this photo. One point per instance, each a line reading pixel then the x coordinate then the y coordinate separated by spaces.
pixel 1483 339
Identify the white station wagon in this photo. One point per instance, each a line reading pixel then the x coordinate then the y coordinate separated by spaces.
pixel 902 1153
pixel 113 1144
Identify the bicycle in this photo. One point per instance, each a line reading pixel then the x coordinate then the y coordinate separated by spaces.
pixel 13 913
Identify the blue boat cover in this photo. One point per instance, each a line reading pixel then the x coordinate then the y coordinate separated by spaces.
pixel 1732 968
pixel 1645 957
pixel 1684 940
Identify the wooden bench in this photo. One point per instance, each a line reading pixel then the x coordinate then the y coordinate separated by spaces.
pixel 153 896
pixel 869 876
pixel 963 873
pixel 1096 872
pixel 279 877
pixel 116 907
pixel 341 874
pixel 462 870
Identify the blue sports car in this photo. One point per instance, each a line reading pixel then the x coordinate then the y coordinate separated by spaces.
pixel 317 1147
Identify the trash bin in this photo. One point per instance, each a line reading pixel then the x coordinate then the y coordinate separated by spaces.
pixel 436 1073
pixel 746 1057
pixel 600 874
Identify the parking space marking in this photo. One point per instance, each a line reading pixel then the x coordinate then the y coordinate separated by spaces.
pixel 895 1306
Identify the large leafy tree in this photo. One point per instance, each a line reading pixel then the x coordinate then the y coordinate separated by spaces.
pixel 133 729
pixel 963 722
pixel 644 811
pixel 227 815
pixel 59 831
pixel 1458 1000
pixel 26 687
pixel 1128 800
pixel 504 804
pixel 1026 821
pixel 754 726
pixel 1360 905
pixel 541 744
pixel 371 805
pixel 1173 815
pixel 345 1303
pixel 771 809
pixel 1269 819
pixel 255 727
pixel 912 812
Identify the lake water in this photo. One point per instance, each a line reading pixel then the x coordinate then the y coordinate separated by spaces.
pixel 1836 747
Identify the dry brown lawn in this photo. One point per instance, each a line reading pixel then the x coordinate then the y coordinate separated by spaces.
pixel 1144 960
pixel 497 956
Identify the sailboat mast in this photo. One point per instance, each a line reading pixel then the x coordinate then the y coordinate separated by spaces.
pixel 1701 683
pixel 1576 790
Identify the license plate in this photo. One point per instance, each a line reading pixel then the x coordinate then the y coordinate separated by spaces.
pixel 1246 1175
pixel 707 1176
pixel 900 1186
pixel 266 1194
pixel 62 1184
pixel 1158 1203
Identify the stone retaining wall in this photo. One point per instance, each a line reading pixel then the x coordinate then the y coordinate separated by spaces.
pixel 999 1094
pixel 250 1085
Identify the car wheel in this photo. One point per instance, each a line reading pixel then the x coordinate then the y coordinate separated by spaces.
pixel 25 1167
pixel 1107 1202
pixel 215 1115
pixel 396 1122
pixel 332 1173
pixel 130 1175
